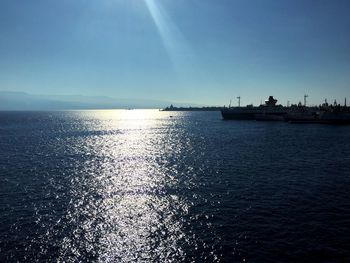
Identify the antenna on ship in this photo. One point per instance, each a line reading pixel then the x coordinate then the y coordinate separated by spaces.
pixel 305 96
pixel 345 103
pixel 239 101
pixel 230 103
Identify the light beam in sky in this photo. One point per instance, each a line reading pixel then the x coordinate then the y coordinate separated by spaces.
pixel 172 38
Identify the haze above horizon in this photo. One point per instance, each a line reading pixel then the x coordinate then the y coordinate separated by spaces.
pixel 198 51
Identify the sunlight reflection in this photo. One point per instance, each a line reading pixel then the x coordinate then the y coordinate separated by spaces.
pixel 124 197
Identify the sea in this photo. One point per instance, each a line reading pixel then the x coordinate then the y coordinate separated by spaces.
pixel 156 186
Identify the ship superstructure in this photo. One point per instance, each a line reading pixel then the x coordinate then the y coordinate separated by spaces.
pixel 268 111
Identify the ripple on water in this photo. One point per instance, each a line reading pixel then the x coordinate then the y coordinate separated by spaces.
pixel 138 186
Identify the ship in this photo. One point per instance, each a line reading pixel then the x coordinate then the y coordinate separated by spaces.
pixel 269 111
pixel 325 113
pixel 334 114
pixel 302 114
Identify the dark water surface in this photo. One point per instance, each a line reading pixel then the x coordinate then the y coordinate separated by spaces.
pixel 141 186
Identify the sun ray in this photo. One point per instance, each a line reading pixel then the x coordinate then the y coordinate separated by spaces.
pixel 173 40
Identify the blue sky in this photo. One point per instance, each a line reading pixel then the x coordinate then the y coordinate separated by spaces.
pixel 200 51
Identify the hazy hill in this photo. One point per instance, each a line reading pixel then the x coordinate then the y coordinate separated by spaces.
pixel 10 100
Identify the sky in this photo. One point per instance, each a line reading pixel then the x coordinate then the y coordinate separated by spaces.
pixel 199 51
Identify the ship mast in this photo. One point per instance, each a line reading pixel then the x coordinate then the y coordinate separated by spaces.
pixel 239 101
pixel 305 96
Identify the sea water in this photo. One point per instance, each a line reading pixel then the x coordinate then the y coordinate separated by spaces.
pixel 153 186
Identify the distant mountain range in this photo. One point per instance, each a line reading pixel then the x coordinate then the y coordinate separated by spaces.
pixel 10 100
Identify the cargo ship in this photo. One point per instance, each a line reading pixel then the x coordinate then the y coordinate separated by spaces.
pixel 269 111
pixel 335 113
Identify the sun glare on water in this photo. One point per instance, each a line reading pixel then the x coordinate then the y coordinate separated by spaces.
pixel 122 196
